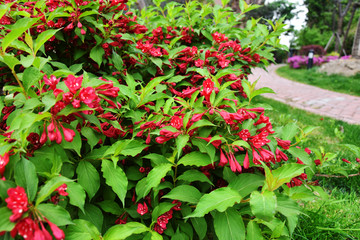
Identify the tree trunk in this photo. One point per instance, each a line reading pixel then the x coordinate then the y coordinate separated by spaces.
pixel 356 44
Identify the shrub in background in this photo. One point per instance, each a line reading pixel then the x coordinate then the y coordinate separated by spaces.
pixel 319 50
pixel 115 126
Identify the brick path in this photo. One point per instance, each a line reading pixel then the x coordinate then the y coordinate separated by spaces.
pixel 313 99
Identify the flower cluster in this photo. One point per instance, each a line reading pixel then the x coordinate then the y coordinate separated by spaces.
pixel 302 61
pixel 29 226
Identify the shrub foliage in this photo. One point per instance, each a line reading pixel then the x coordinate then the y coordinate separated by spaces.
pixel 117 126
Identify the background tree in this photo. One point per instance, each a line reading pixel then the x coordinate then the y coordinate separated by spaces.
pixel 275 10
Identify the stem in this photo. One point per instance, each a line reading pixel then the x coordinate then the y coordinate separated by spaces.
pixel 336 176
pixel 19 82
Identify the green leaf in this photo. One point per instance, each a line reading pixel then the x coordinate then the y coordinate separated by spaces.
pixel 4 8
pixel 288 171
pixel 43 37
pixel 194 175
pixel 204 147
pixel 195 159
pixel 17 30
pixel 93 214
pixel 110 207
pixel 302 155
pixel 229 225
pixel 90 135
pixel 5 224
pixel 50 187
pixel 25 176
pixel 290 209
pixel 184 193
pixel 56 214
pixel 201 123
pixel 289 131
pixel 261 91
pixel 115 178
pixel 49 100
pixel 123 231
pixel 246 183
pixel 157 62
pixel 133 148
pixel 242 143
pixel 181 142
pixel 97 54
pixel 88 178
pixel 77 195
pixel 82 230
pixel 154 177
pixel 31 76
pixel 200 226
pixel 263 205
pixel 4 186
pixel 253 231
pixel 10 61
pixel 219 199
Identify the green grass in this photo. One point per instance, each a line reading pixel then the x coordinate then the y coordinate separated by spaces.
pixel 336 218
pixel 339 216
pixel 337 83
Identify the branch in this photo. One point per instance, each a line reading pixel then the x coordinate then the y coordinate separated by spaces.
pixel 336 176
pixel 342 14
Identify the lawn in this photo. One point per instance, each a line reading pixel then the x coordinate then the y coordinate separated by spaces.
pixel 337 217
pixel 337 83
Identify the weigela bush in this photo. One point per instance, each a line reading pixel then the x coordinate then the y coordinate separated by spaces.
pixel 117 126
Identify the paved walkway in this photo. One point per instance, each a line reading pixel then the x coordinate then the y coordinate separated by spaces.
pixel 313 99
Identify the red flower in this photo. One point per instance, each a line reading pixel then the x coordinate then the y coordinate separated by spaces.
pixel 69 134
pixel 308 151
pixel 52 81
pixel 17 202
pixel 234 164
pixel 259 140
pixel 246 161
pixel 62 190
pixel 87 95
pixel 57 232
pixel 317 162
pixel 73 83
pixel 24 228
pixel 262 119
pixel 176 122
pixel 345 160
pixel 208 87
pixel 285 144
pixel 266 155
pixel 244 134
pixel 223 159
pixel 280 156
pixel 4 160
pixel 142 208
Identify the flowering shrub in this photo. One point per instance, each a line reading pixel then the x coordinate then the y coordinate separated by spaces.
pixel 115 126
pixel 302 61
pixel 319 50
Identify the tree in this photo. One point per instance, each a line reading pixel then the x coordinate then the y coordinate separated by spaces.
pixel 275 10
pixel 356 44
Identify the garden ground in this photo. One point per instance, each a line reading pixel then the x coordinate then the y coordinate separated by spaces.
pixel 313 99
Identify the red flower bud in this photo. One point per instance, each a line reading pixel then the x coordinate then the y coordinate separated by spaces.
pixel 68 134
pixel 57 232
pixel 43 137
